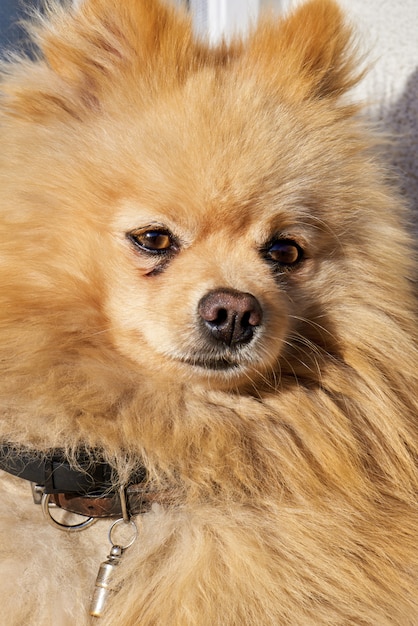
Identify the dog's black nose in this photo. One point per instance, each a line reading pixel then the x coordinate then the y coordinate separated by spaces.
pixel 231 316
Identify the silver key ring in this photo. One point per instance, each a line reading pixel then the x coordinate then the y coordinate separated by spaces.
pixel 130 523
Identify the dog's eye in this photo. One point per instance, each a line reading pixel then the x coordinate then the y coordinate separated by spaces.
pixel 285 252
pixel 154 241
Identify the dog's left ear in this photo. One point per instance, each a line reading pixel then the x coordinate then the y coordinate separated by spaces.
pixel 309 54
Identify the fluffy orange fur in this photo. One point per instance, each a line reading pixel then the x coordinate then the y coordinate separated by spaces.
pixel 293 475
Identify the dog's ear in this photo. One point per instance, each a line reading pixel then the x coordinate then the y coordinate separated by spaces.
pixel 95 49
pixel 308 54
pixel 99 42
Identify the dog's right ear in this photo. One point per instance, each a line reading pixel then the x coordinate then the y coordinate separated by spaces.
pixel 97 47
pixel 99 38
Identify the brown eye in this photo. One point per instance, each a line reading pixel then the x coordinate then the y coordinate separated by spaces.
pixel 154 241
pixel 285 252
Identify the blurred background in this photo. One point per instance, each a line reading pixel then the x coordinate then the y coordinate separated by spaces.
pixel 212 17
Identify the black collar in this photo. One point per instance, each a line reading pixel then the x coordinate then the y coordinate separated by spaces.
pixel 86 485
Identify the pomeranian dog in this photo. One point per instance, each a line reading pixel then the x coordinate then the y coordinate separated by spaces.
pixel 207 330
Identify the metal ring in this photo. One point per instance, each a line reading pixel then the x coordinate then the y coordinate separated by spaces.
pixel 68 527
pixel 131 541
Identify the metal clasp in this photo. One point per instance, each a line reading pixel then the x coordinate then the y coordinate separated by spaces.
pixel 124 504
pixel 42 498
pixel 37 493
pixel 46 509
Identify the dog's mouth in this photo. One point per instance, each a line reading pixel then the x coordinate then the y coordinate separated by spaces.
pixel 212 363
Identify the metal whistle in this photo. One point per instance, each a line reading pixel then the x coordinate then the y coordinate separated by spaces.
pixel 103 587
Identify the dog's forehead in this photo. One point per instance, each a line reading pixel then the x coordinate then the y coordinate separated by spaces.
pixel 213 127
pixel 192 221
pixel 219 154
pixel 187 160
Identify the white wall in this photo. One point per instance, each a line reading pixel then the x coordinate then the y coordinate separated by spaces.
pixel 223 18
